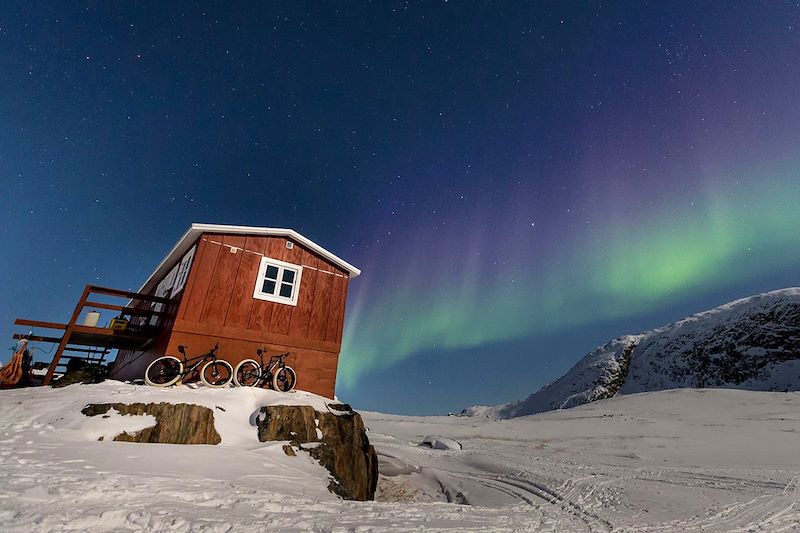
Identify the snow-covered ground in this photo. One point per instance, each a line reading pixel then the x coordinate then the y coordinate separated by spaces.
pixel 691 460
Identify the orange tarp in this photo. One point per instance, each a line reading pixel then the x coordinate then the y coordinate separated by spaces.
pixel 11 373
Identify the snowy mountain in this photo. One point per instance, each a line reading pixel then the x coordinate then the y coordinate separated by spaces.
pixel 752 344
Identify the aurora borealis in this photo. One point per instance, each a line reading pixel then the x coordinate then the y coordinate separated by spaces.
pixel 621 266
pixel 518 182
pixel 684 189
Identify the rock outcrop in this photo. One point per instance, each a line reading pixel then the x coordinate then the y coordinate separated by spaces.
pixel 343 448
pixel 336 438
pixel 176 423
pixel 295 423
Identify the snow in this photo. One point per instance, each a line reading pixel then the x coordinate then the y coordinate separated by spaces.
pixel 692 460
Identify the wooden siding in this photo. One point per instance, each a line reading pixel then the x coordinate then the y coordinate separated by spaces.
pixel 220 289
pixel 197 285
pixel 242 301
pixel 316 369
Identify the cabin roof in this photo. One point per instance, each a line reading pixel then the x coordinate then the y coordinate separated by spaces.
pixel 195 230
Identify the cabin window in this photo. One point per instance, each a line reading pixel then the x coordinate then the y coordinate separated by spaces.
pixel 162 291
pixel 278 281
pixel 182 273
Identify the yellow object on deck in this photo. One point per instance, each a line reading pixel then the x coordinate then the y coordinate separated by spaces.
pixel 118 324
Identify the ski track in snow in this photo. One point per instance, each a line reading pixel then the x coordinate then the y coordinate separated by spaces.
pixel 680 460
pixel 683 460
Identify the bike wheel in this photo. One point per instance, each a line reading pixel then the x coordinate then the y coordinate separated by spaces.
pixel 284 379
pixel 216 373
pixel 246 373
pixel 163 372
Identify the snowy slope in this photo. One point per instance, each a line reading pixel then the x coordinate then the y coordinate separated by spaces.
pixel 593 378
pixel 752 343
pixel 678 460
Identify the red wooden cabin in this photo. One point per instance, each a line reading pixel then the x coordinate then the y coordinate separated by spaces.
pixel 242 287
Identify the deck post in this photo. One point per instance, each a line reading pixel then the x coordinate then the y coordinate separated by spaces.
pixel 65 339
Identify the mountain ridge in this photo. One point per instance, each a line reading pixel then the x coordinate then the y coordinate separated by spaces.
pixel 751 343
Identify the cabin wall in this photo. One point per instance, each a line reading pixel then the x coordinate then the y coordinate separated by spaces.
pixel 316 369
pixel 219 291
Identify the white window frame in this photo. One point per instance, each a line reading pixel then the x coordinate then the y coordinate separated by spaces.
pixel 282 266
pixel 162 291
pixel 183 272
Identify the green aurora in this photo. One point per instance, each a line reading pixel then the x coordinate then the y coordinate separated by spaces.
pixel 452 296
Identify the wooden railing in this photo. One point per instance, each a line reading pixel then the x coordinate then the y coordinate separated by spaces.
pixel 84 303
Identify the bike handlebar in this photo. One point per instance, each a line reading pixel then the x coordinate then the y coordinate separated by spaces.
pixel 182 349
pixel 260 353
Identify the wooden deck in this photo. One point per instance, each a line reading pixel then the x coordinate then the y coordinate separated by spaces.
pixel 75 337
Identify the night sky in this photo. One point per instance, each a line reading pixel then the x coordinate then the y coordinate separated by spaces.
pixel 518 182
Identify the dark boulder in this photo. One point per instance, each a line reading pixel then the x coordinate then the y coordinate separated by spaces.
pixel 295 423
pixel 176 423
pixel 343 449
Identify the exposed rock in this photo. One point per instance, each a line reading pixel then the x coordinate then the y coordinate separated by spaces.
pixel 179 423
pixel 344 448
pixel 339 437
pixel 744 345
pixel 289 450
pixel 295 423
pixel 348 455
pixel 608 384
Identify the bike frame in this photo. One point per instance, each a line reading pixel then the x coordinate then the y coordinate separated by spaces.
pixel 210 356
pixel 275 361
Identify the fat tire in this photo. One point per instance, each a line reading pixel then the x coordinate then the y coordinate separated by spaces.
pixel 153 365
pixel 218 362
pixel 256 370
pixel 282 375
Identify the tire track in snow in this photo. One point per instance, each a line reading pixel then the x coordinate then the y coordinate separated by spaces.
pixel 533 493
pixel 779 512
